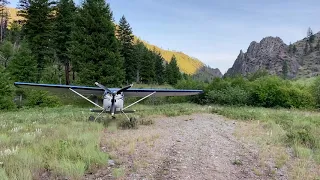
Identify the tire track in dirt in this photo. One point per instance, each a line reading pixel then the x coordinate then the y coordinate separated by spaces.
pixel 198 146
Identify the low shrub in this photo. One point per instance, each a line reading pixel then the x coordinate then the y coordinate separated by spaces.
pixel 191 84
pixel 300 98
pixel 315 88
pixel 126 124
pixel 269 91
pixel 229 96
pixel 259 89
pixel 41 99
pixel 6 103
pixel 6 91
pixel 272 91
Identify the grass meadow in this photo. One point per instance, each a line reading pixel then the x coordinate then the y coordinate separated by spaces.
pixel 60 141
pixel 289 136
pixel 56 140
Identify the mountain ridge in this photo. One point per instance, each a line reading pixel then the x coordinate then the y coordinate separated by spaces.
pixel 277 58
pixel 186 63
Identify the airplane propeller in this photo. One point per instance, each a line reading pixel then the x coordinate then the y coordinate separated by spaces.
pixel 113 107
pixel 124 88
pixel 103 87
pixel 113 93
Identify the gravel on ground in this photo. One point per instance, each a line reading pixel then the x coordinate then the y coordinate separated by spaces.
pixel 197 146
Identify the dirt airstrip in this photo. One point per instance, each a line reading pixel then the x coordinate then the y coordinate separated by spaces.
pixel 198 146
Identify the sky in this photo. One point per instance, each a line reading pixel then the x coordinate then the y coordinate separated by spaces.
pixel 214 31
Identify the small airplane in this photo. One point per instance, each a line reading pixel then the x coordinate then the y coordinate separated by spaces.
pixel 113 98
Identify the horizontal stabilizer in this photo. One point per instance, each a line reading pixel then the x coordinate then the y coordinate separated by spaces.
pixel 117 112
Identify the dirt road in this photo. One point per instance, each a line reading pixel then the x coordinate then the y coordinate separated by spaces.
pixel 199 146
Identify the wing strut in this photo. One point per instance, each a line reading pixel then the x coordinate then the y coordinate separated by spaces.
pixel 139 100
pixel 86 98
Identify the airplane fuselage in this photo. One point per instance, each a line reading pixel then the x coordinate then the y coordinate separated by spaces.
pixel 115 106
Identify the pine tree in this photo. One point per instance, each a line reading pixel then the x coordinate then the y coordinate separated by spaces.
pixel 125 36
pixel 309 32
pixel 311 39
pixel 23 66
pixel 159 69
pixel 139 50
pixel 95 49
pixel 310 35
pixel 64 24
pixel 6 90
pixel 173 72
pixel 175 69
pixel 38 30
pixel 305 50
pixel 147 67
pixel 14 34
pixel 3 18
pixel 294 49
pixel 6 52
pixel 285 69
pixel 185 76
pixel 168 73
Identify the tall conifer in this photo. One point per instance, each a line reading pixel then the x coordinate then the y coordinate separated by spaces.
pixel 95 49
pixel 6 90
pixel 125 36
pixel 173 72
pixel 4 16
pixel 138 52
pixel 63 27
pixel 14 34
pixel 38 30
pixel 23 66
pixel 159 68
pixel 147 70
pixel 6 52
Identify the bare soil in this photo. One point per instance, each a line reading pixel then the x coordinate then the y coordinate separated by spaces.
pixel 198 146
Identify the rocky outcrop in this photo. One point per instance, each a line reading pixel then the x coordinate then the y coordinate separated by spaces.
pixel 308 56
pixel 270 54
pixel 207 73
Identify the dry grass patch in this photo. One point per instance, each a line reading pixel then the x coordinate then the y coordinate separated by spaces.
pixel 273 154
pixel 131 147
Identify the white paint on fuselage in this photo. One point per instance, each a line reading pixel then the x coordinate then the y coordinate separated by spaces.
pixel 119 99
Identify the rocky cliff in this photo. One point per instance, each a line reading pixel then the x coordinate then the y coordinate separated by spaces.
pixel 207 73
pixel 273 55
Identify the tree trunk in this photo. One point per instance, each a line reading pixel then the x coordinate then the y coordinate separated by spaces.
pixel 67 73
pixel 73 76
pixel 138 77
pixel 5 63
pixel 1 29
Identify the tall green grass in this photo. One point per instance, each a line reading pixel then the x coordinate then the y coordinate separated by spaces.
pixel 301 128
pixel 58 140
pixel 61 140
